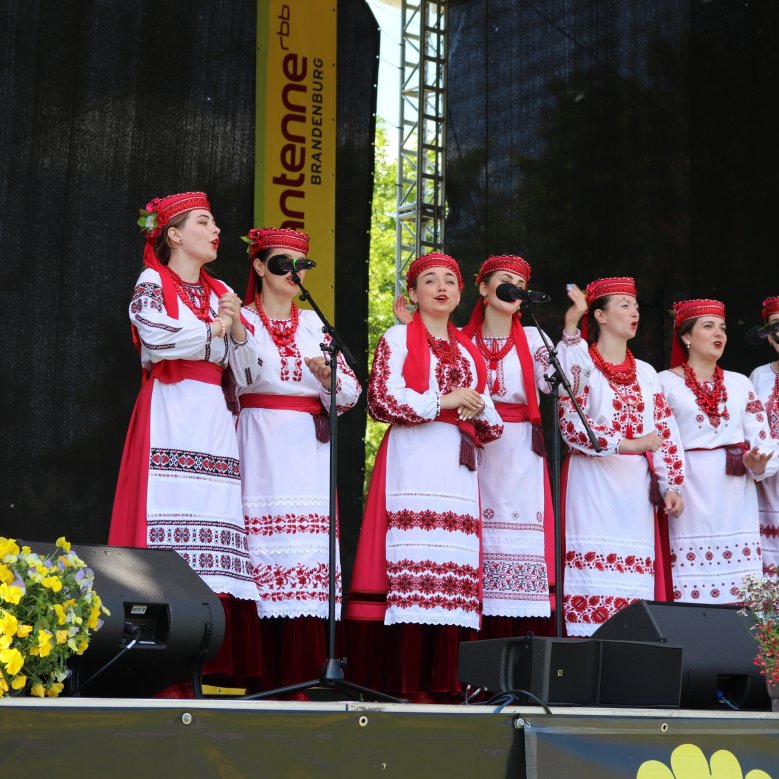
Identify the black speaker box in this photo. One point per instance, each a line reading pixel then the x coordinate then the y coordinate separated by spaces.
pixel 575 671
pixel 156 598
pixel 718 648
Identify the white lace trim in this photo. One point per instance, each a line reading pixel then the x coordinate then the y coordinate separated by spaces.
pixel 432 619
pixel 285 500
pixel 277 610
pixel 535 611
pixel 308 549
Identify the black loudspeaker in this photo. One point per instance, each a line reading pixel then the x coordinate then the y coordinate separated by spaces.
pixel 719 649
pixel 156 598
pixel 575 671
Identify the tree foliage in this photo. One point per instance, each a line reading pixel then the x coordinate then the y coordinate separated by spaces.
pixel 381 270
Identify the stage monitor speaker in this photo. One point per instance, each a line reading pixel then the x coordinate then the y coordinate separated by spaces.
pixel 575 671
pixel 718 648
pixel 154 596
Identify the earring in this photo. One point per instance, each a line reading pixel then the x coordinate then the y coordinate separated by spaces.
pixel 484 300
pixel 687 344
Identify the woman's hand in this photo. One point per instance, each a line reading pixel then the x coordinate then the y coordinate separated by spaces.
pixel 468 402
pixel 577 309
pixel 230 314
pixel 755 461
pixel 674 505
pixel 650 442
pixel 400 309
pixel 320 369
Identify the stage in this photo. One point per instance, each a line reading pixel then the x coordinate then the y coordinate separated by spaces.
pixel 94 737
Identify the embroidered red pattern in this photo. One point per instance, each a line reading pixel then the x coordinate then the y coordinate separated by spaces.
pixel 287 524
pixel 433 520
pixel 515 577
pixel 298 582
pixel 674 467
pixel 609 562
pixel 592 609
pixel 197 463
pixel 428 585
pixel 383 406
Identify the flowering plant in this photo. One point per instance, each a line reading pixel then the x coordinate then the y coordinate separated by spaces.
pixel 761 596
pixel 147 218
pixel 48 610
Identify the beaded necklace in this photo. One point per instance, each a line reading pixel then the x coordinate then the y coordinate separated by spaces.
pixel 282 331
pixel 624 373
pixel 708 395
pixel 445 350
pixel 493 354
pixel 196 297
pixel 451 370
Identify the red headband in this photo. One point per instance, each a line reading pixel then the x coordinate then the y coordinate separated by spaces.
pixel 275 238
pixel 615 285
pixel 770 306
pixel 160 211
pixel 263 238
pixel 684 311
pixel 509 262
pixel 432 260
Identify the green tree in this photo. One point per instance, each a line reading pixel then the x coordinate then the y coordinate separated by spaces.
pixel 381 270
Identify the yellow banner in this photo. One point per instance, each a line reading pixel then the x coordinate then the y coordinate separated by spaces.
pixel 294 179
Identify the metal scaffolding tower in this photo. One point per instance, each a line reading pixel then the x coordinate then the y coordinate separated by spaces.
pixel 421 204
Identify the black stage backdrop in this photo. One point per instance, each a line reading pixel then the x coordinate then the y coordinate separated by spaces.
pixel 106 104
pixel 604 138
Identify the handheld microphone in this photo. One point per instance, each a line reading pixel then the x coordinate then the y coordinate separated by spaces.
pixel 509 292
pixel 280 264
pixel 756 334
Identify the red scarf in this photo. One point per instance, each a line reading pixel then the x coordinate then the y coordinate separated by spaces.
pixel 519 337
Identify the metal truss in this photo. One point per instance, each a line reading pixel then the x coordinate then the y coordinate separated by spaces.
pixel 421 203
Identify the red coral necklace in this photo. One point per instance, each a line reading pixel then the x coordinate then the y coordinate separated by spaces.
pixel 281 331
pixel 708 395
pixel 624 373
pixel 495 352
pixel 196 297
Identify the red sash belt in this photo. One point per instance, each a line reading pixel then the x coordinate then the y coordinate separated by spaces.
pixel 307 404
pixel 520 412
pixel 468 441
pixel 174 371
pixel 734 457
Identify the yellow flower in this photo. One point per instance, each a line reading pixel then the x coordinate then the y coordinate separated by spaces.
pixel 54 583
pixel 54 689
pixel 93 617
pixel 3 684
pixel 10 594
pixel 23 631
pixel 6 575
pixel 19 682
pixel 62 636
pixel 63 544
pixel 6 641
pixel 8 623
pixel 8 547
pixel 44 643
pixel 37 690
pixel 13 660
pixel 689 762
pixel 60 612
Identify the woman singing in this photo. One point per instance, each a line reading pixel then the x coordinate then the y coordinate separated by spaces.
pixel 728 447
pixel 613 544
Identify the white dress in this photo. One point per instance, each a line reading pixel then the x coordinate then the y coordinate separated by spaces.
pixel 193 502
pixel 765 380
pixel 511 485
pixel 286 473
pixel 432 501
pixel 609 518
pixel 716 541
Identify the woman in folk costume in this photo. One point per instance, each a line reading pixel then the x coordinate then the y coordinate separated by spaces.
pixel 765 380
pixel 284 441
pixel 517 522
pixel 179 481
pixel 418 566
pixel 615 548
pixel 728 447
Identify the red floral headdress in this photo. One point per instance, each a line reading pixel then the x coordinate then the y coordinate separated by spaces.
pixel 432 260
pixel 261 238
pixel 613 285
pixel 770 306
pixel 684 311
pixel 509 262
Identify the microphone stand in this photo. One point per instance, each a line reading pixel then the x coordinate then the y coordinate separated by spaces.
pixel 332 675
pixel 555 380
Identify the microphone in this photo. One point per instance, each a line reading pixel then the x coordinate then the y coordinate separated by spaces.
pixel 756 334
pixel 280 264
pixel 509 292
